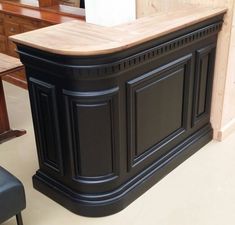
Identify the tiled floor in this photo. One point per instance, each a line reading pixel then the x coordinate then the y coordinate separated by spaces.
pixel 201 191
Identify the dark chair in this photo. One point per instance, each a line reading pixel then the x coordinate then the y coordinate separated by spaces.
pixel 12 197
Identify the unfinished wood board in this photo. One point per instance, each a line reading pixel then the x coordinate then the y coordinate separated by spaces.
pixel 80 38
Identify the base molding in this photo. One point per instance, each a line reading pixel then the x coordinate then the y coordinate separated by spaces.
pixel 95 206
pixel 225 131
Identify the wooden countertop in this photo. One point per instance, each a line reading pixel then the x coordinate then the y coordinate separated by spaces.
pixel 82 39
pixel 42 15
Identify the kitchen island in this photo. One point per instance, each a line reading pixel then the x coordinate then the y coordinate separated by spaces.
pixel 115 109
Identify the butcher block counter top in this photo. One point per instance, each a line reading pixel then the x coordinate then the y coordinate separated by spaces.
pixel 78 38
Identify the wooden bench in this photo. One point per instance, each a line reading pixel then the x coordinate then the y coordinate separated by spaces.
pixel 8 66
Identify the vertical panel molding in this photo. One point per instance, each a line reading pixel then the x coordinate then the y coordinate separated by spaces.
pixel 157 109
pixel 92 122
pixel 47 128
pixel 204 70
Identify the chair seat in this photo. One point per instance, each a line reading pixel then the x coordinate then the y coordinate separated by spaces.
pixel 12 195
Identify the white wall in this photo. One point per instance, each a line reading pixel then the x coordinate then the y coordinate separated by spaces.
pixel 228 112
pixel 110 12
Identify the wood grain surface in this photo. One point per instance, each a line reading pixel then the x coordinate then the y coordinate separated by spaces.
pixel 8 63
pixel 80 38
pixel 42 15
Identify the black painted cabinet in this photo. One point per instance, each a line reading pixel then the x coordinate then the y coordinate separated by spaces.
pixel 108 127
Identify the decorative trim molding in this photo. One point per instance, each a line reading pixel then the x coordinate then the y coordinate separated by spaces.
pixel 78 103
pixel 104 93
pixel 47 125
pixel 204 71
pixel 100 70
pixel 143 82
pixel 222 134
pixel 153 53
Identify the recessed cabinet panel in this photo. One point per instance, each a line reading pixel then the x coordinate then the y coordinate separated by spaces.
pixel 157 108
pixel 157 119
pixel 94 134
pixel 47 125
pixel 92 125
pixel 203 84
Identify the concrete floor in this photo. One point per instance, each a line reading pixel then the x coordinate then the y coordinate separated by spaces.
pixel 201 191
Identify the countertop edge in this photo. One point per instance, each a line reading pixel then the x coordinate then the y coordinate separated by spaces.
pixel 112 46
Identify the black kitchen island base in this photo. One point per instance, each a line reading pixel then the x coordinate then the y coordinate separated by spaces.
pixel 109 203
pixel 109 126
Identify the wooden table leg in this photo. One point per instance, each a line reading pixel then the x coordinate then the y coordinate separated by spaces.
pixel 5 132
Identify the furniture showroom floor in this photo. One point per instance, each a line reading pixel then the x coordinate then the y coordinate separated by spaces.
pixel 201 191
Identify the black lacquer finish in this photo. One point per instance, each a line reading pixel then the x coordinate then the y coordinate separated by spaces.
pixel 109 127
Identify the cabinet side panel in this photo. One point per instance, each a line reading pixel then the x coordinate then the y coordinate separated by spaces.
pixel 47 129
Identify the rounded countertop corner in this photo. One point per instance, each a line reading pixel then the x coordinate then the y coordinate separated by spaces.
pixel 78 38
